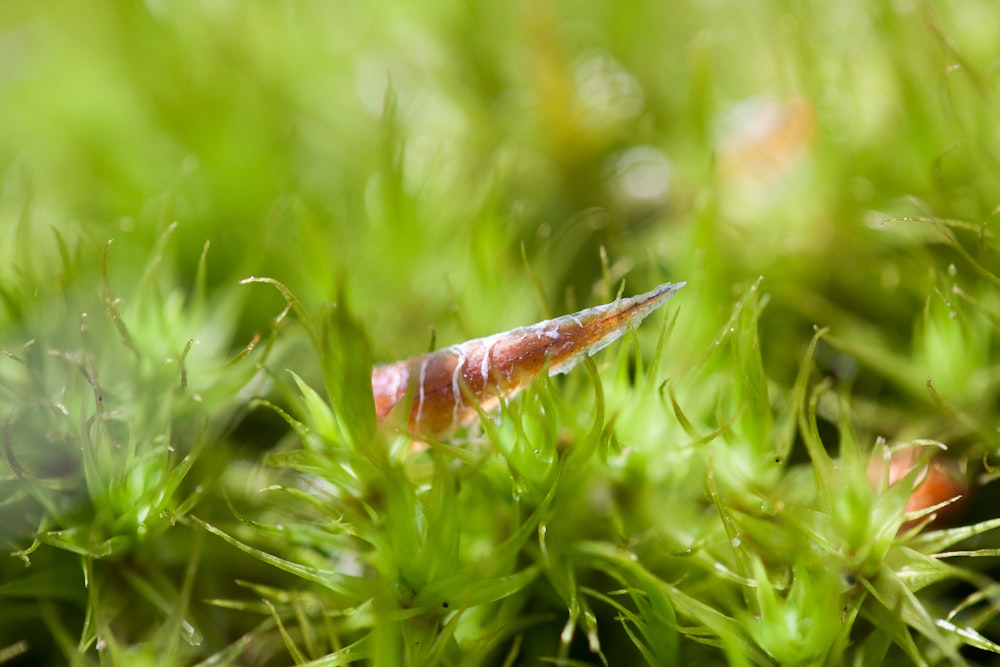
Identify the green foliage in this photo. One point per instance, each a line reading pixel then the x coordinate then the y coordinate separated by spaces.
pixel 216 216
pixel 108 412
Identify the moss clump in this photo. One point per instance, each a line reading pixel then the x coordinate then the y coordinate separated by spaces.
pixel 192 471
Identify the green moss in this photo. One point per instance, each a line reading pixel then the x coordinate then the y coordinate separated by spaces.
pixel 192 470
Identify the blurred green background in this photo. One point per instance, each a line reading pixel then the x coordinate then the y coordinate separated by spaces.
pixel 409 152
pixel 416 147
pixel 452 168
